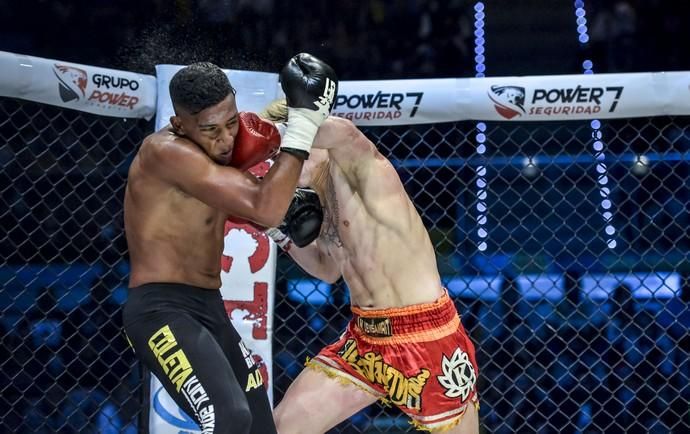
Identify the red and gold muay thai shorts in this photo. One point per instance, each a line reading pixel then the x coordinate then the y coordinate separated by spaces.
pixel 418 358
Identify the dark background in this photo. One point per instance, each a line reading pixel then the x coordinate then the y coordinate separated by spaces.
pixel 569 363
pixel 376 39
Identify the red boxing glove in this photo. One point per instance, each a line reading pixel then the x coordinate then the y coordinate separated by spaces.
pixel 257 140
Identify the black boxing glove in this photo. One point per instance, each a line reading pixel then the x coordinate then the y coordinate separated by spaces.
pixel 310 87
pixel 302 223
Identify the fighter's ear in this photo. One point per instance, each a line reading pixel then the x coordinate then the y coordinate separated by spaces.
pixel 176 123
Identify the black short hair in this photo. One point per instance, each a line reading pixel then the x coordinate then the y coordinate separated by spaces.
pixel 199 86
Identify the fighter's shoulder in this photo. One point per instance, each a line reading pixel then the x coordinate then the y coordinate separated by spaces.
pixel 342 126
pixel 348 140
pixel 164 145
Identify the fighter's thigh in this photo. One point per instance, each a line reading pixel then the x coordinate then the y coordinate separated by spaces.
pixel 187 360
pixel 315 403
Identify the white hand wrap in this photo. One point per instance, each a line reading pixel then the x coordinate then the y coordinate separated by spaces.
pixel 281 239
pixel 301 128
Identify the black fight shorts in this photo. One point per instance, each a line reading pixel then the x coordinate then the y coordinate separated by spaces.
pixel 183 335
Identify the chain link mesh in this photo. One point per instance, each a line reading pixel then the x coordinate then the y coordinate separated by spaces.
pixel 66 366
pixel 580 317
pixel 565 247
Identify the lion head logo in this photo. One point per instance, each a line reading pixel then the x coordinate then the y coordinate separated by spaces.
pixel 509 101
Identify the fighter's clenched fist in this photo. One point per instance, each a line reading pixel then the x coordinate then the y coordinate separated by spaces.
pixel 310 87
pixel 309 83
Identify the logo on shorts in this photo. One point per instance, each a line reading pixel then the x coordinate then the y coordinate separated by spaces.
pixel 458 376
pixel 401 389
pixel 176 367
pixel 172 359
pixel 375 327
pixel 255 378
pixel 72 82
pixel 509 101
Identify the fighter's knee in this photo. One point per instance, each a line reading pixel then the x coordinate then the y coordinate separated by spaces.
pixel 281 417
pixel 237 419
pixel 290 416
pixel 278 417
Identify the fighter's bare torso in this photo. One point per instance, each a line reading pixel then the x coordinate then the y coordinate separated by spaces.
pixel 373 231
pixel 172 237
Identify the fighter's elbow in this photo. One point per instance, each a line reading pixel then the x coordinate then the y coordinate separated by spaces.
pixel 331 277
pixel 264 212
pixel 326 274
pixel 273 222
pixel 269 218
pixel 330 272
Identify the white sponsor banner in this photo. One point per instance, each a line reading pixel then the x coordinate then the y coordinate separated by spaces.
pixel 254 90
pixel 399 102
pixel 536 98
pixel 248 264
pixel 101 91
pixel 366 103
pixel 571 97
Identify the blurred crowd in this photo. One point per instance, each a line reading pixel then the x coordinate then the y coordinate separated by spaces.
pixel 581 366
pixel 69 370
pixel 377 39
pixel 639 35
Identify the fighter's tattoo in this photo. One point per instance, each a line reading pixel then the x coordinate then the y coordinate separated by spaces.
pixel 331 217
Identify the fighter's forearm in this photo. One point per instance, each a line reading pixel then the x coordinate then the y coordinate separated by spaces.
pixel 276 190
